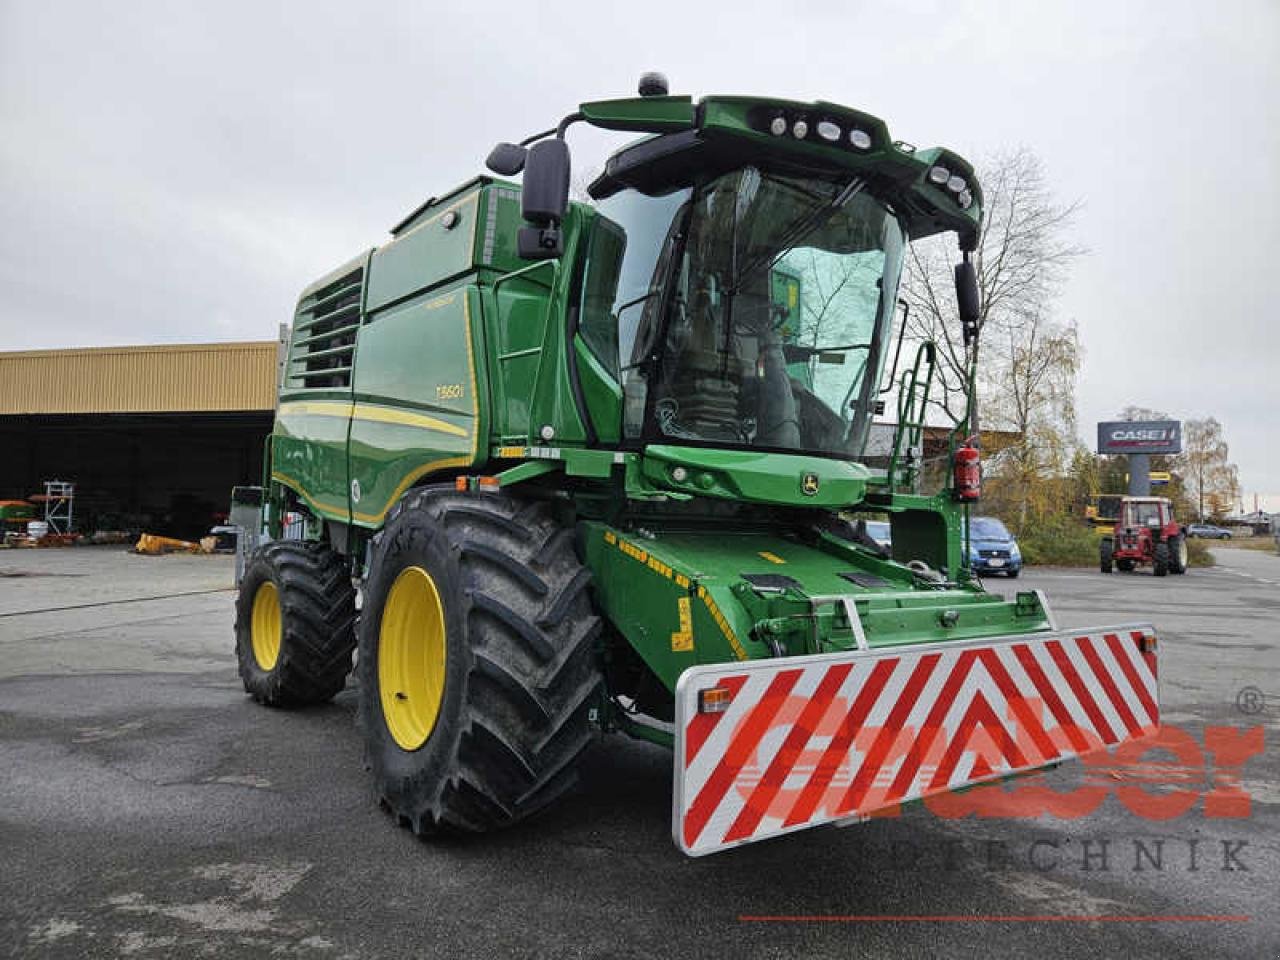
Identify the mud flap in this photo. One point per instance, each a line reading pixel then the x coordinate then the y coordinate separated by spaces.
pixel 804 741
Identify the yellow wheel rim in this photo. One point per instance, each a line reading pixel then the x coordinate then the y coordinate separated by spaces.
pixel 265 628
pixel 411 651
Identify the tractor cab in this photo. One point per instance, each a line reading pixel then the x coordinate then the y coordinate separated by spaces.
pixel 1146 533
pixel 749 310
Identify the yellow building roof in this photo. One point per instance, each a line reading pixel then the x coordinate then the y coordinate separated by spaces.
pixel 178 378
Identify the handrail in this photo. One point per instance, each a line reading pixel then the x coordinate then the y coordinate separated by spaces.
pixel 913 408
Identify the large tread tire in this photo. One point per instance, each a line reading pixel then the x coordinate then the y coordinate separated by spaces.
pixel 1160 564
pixel 523 676
pixel 317 618
pixel 1178 558
pixel 1105 550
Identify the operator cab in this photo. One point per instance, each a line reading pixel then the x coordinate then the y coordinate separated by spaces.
pixel 748 309
pixel 1138 513
pixel 739 275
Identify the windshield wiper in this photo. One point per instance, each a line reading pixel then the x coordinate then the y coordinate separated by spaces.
pixel 800 351
pixel 798 230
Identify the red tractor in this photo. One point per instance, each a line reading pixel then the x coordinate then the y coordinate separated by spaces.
pixel 1145 533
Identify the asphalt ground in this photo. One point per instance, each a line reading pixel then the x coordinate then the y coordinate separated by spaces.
pixel 149 809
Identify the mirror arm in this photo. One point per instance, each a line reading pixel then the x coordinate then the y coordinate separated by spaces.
pixel 567 122
pixel 537 136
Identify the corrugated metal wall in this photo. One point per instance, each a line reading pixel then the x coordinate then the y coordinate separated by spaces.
pixel 202 377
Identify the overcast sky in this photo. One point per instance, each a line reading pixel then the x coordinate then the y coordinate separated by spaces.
pixel 178 172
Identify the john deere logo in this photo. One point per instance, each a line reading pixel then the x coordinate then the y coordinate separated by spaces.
pixel 809 484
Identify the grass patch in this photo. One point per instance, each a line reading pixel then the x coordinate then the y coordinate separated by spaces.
pixel 1265 544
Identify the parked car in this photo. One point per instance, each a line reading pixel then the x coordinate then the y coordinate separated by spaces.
pixel 992 548
pixel 1208 531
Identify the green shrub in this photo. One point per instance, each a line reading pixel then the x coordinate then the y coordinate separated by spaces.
pixel 1059 540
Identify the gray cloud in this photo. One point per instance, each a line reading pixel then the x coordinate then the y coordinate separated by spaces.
pixel 173 172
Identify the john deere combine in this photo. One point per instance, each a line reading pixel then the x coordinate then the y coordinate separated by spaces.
pixel 601 468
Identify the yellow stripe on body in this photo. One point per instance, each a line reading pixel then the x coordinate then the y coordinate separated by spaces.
pixel 657 566
pixel 301 491
pixel 471 367
pixel 723 623
pixel 370 413
pixel 407 482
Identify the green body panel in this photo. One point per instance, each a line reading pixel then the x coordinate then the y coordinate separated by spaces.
pixel 309 454
pixel 759 477
pixel 417 398
pixel 646 114
pixel 435 248
pixel 641 578
pixel 601 393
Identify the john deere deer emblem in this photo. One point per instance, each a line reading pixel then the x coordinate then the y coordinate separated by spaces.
pixel 809 484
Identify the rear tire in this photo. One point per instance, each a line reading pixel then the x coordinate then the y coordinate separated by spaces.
pixel 295 624
pixel 1178 558
pixel 1160 565
pixel 515 638
pixel 1105 550
pixel 1013 574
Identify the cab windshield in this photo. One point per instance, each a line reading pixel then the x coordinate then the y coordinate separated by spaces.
pixel 752 311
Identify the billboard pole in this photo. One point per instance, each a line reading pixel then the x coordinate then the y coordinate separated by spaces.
pixel 1139 474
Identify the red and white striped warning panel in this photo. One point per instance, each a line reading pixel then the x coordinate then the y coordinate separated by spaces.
pixel 771 746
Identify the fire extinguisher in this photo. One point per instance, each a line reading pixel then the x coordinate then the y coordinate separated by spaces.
pixel 967 473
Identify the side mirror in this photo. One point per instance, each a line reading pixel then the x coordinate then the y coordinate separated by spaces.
pixel 967 299
pixel 545 196
pixel 507 159
pixel 544 199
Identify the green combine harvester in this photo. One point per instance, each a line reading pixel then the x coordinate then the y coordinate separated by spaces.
pixel 603 468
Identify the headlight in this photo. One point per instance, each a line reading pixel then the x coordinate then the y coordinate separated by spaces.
pixel 800 129
pixel 940 175
pixel 860 139
pixel 828 130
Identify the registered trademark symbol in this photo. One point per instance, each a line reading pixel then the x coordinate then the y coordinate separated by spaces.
pixel 1250 700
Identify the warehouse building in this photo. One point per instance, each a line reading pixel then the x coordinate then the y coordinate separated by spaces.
pixel 153 437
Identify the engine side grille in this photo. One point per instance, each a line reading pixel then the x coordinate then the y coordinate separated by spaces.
pixel 324 334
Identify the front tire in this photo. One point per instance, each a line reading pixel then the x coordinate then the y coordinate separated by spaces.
pixel 295 624
pixel 478 663
pixel 1178 558
pixel 1105 550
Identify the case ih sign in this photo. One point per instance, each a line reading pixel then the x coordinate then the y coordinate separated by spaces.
pixel 1131 436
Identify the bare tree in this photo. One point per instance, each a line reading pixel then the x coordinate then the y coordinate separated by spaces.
pixel 1212 480
pixel 1021 264
pixel 1030 386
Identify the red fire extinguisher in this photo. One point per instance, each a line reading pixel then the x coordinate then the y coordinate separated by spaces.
pixel 967 484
